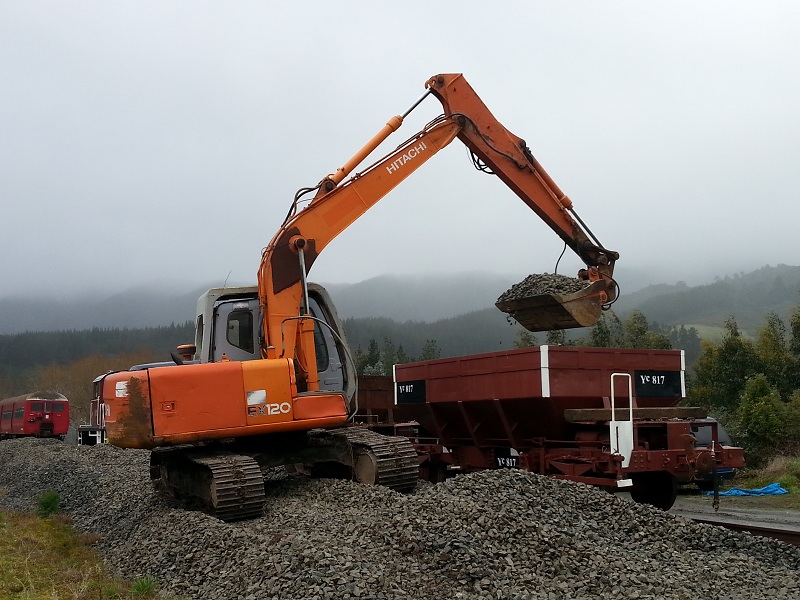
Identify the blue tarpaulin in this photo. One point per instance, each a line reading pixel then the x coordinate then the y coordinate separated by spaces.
pixel 773 489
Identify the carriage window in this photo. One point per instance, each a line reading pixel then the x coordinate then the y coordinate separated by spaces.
pixel 6 414
pixel 240 330
pixel 19 413
pixel 36 406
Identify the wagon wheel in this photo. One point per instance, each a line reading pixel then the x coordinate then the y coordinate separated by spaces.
pixel 657 489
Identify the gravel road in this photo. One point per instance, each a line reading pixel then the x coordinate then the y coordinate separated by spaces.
pixel 496 534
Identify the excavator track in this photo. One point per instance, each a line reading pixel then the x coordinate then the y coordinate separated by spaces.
pixel 230 485
pixel 237 487
pixel 226 485
pixel 379 459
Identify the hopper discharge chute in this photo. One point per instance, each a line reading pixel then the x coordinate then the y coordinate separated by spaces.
pixel 549 302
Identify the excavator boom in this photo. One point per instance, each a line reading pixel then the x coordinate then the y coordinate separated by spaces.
pixel 509 157
pixel 339 202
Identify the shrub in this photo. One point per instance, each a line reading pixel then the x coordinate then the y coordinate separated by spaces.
pixel 144 587
pixel 49 504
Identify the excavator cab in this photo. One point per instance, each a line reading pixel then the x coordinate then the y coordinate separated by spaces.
pixel 551 311
pixel 232 331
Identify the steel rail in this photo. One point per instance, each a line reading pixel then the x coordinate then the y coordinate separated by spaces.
pixel 785 532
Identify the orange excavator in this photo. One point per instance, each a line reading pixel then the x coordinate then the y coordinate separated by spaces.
pixel 269 381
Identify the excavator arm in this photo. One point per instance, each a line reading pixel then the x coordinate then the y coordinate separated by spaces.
pixel 509 157
pixel 288 330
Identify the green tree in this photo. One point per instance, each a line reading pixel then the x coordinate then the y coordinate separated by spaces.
pixel 637 333
pixel 402 357
pixel 369 363
pixel 762 416
pixel 686 339
pixel 600 334
pixel 794 328
pixel 606 333
pixel 794 348
pixel 388 356
pixel 635 329
pixel 721 371
pixel 793 420
pixel 360 359
pixel 430 351
pixel 775 356
pixel 525 339
pixel 556 337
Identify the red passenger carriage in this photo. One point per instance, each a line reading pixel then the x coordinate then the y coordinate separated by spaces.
pixel 38 414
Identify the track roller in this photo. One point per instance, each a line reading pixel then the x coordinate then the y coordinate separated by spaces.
pixel 377 459
pixel 226 485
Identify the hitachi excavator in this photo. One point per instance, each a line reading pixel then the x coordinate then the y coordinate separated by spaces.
pixel 269 381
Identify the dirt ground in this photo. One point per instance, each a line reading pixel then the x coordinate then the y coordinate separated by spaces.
pixel 772 509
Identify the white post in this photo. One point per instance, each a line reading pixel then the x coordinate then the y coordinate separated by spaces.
pixel 622 431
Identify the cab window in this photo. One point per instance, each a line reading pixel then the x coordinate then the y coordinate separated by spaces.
pixel 36 406
pixel 240 330
pixel 320 348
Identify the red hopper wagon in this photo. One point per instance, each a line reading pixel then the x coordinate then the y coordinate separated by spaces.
pixel 605 417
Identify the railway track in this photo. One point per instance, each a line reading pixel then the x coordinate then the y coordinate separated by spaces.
pixel 785 532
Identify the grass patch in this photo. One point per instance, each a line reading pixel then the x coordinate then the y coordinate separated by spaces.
pixel 45 558
pixel 781 469
pixel 49 504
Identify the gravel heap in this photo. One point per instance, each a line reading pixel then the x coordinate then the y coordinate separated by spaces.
pixel 496 534
pixel 544 283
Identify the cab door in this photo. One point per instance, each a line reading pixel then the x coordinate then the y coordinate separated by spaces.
pixel 236 335
pixel 329 363
pixel 235 330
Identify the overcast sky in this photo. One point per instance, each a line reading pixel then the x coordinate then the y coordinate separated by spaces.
pixel 145 142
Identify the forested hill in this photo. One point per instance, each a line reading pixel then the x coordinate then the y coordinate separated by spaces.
pixel 472 333
pixel 747 297
pixel 139 307
pixel 400 298
pixel 419 298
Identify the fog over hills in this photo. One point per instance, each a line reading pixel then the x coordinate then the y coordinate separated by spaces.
pixel 401 298
pixel 745 296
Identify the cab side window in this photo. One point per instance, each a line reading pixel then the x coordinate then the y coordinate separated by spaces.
pixel 240 330
pixel 320 348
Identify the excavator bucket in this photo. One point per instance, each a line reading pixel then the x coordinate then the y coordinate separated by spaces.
pixel 547 312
